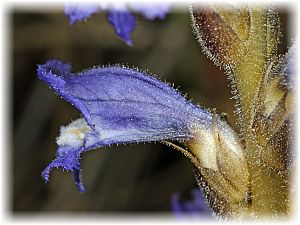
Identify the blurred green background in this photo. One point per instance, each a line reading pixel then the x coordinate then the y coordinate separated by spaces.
pixel 132 178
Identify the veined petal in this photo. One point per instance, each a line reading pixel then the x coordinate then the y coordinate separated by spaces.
pixel 80 11
pixel 151 10
pixel 123 22
pixel 119 105
pixel 115 97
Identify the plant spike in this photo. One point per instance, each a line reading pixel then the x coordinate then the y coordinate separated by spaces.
pixel 243 41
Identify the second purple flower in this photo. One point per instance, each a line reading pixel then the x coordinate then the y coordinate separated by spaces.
pixel 119 16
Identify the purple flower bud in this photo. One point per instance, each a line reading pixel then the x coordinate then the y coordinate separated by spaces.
pixel 119 105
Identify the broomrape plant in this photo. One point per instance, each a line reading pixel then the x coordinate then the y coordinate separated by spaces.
pixel 242 174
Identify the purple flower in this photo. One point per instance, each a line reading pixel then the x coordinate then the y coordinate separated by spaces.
pixel 119 16
pixel 119 105
pixel 195 207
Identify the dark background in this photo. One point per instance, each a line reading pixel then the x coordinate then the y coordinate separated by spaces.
pixel 132 178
